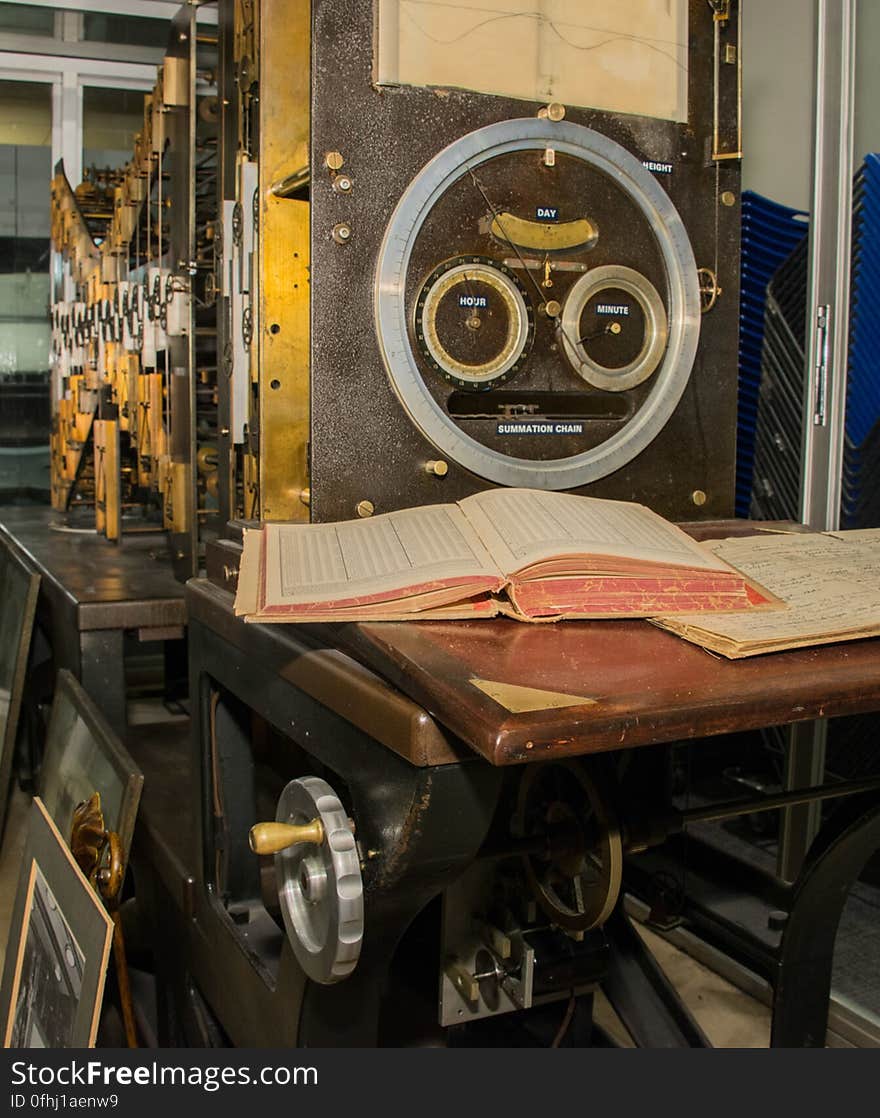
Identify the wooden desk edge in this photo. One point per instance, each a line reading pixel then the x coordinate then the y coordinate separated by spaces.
pixel 325 672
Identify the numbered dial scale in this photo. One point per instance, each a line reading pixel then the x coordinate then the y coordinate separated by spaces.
pixel 536 281
pixel 474 322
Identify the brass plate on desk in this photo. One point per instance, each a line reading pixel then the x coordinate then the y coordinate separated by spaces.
pixel 518 699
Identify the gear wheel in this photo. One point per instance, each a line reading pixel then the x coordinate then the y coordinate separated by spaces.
pixel 576 877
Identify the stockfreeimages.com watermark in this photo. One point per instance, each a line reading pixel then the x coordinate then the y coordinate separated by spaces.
pixel 105 1077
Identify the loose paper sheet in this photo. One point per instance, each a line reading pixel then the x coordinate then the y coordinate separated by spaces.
pixel 629 56
pixel 830 581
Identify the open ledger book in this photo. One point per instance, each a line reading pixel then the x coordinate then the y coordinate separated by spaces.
pixel 525 553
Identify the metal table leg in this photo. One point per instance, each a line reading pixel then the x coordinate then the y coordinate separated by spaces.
pixel 803 983
pixel 102 673
pixel 642 995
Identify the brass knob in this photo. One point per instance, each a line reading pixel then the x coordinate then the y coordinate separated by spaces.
pixel 272 838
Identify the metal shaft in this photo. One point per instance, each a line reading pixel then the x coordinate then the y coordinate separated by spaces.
pixel 714 812
pixel 654 830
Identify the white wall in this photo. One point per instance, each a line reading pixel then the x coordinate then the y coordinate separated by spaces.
pixel 778 51
pixel 778 59
pixel 867 116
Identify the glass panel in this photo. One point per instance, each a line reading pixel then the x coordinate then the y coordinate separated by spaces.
pixel 851 749
pixel 579 52
pixel 778 60
pixel 98 27
pixel 25 173
pixel 26 19
pixel 111 120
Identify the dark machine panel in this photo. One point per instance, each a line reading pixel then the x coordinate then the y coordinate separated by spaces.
pixel 514 292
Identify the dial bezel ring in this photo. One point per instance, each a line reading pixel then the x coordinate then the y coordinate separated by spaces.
pixel 391 320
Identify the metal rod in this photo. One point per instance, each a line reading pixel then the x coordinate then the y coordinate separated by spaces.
pixel 784 799
pixel 288 186
pixel 653 831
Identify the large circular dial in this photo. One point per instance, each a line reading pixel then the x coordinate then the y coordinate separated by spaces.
pixel 614 328
pixel 473 322
pixel 535 270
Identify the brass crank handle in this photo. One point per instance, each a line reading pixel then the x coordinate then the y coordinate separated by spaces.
pixel 272 838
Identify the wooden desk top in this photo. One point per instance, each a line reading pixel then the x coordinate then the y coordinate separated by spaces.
pixel 109 586
pixel 622 683
pixel 647 685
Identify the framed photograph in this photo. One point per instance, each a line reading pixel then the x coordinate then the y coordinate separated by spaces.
pixel 82 756
pixel 19 587
pixel 58 949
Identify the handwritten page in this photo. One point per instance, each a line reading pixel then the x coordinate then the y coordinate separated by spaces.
pixel 523 527
pixel 830 582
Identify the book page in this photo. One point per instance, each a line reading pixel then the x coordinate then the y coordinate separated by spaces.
pixel 831 583
pixel 376 557
pixel 525 526
pixel 870 536
pixel 247 591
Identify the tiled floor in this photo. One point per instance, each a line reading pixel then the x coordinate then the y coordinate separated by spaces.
pixel 728 1017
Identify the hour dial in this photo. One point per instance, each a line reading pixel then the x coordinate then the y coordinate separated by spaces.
pixel 473 322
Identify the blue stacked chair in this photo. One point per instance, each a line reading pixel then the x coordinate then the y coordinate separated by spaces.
pixel 779 426
pixel 860 504
pixel 770 232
